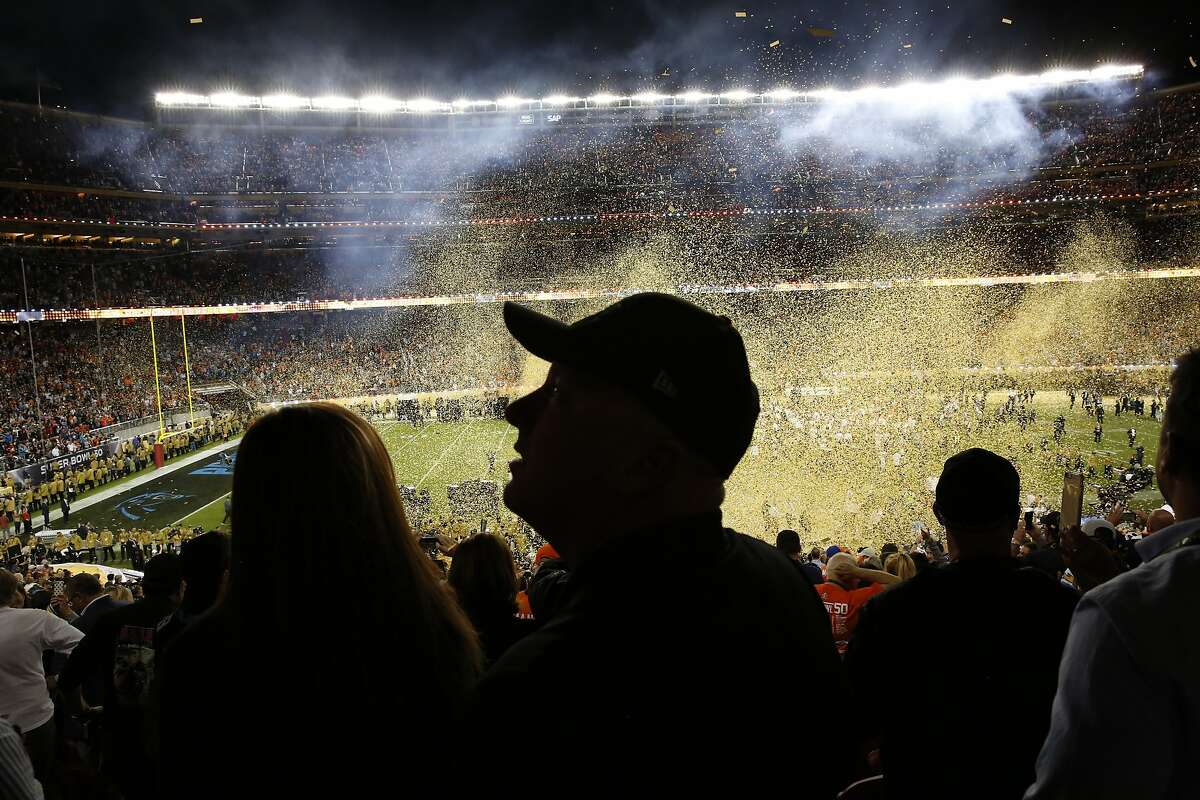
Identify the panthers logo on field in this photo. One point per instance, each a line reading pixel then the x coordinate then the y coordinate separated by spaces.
pixel 221 466
pixel 144 505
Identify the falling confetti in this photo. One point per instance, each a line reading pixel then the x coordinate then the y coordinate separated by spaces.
pixel 1006 20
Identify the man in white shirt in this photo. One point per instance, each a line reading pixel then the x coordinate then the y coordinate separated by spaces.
pixel 1128 681
pixel 24 697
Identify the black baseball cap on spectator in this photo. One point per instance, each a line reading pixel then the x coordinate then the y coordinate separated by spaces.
pixel 687 366
pixel 978 487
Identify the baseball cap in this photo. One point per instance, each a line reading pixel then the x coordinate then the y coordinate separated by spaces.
pixel 1093 525
pixel 687 367
pixel 978 486
pixel 832 551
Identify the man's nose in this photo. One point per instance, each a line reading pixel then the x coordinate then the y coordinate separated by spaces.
pixel 525 410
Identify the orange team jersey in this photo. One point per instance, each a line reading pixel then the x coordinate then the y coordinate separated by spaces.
pixel 843 606
pixel 523 608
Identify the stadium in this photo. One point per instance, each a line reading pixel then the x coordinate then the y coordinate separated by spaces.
pixel 919 261
pixel 359 250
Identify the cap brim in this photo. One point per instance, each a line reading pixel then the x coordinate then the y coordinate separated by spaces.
pixel 544 336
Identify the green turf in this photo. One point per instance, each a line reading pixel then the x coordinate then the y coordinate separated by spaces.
pixel 162 501
pixel 210 517
pixel 436 454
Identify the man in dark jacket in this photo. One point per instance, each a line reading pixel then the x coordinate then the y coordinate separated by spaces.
pixel 984 632
pixel 121 650
pixel 87 599
pixel 673 625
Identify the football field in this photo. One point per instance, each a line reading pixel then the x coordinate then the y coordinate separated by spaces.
pixel 434 455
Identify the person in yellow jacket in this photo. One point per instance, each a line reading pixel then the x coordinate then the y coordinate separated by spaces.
pixel 91 543
pixel 43 491
pixel 60 486
pixel 13 546
pixel 77 542
pixel 60 542
pixel 27 497
pixel 106 545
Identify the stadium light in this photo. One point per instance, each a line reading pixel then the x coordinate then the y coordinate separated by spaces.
pixel 423 105
pixel 284 101
pixel 334 103
pixel 180 99
pixel 946 90
pixel 230 100
pixel 378 104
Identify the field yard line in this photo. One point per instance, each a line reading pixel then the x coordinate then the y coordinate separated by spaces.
pixel 416 435
pixel 441 457
pixel 198 510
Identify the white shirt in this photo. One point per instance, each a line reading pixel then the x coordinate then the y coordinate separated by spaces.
pixel 24 634
pixel 1126 719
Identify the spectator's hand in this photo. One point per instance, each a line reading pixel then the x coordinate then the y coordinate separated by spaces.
pixel 446 545
pixel 1114 514
pixel 1090 562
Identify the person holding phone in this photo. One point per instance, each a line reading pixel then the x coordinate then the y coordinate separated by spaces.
pixel 1128 681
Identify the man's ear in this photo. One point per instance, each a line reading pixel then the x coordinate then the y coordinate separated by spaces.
pixel 937 512
pixel 653 466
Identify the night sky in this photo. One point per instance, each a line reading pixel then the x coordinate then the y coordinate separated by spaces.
pixel 110 57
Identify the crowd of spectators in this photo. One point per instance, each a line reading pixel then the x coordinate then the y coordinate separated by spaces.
pixel 786 159
pixel 1043 652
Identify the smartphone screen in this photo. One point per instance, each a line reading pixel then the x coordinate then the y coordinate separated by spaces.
pixel 1028 519
pixel 60 588
pixel 1072 502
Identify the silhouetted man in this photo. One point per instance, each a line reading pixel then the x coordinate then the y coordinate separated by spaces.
pixel 984 630
pixel 655 664
pixel 1129 681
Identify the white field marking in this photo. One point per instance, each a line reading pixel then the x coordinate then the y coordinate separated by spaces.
pixel 198 510
pixel 442 457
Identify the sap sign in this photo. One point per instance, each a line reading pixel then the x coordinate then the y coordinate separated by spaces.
pixel 554 118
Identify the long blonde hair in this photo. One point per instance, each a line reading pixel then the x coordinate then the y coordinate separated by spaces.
pixel 901 565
